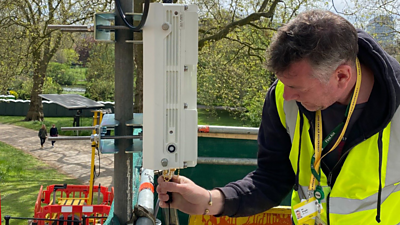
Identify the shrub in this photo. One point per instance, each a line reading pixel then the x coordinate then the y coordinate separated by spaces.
pixel 61 73
pixel 14 93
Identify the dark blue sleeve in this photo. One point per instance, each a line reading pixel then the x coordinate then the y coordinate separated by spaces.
pixel 274 178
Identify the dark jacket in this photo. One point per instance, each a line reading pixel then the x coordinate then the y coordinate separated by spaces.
pixel 53 132
pixel 274 177
pixel 42 133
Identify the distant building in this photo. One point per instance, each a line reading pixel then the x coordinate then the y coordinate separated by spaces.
pixel 382 28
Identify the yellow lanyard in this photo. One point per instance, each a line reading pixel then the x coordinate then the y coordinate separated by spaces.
pixel 318 129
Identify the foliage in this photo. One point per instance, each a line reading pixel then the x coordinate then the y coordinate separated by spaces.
pixel 30 19
pixel 14 93
pixel 232 75
pixel 51 87
pixel 219 118
pixel 24 87
pixel 61 73
pixel 66 56
pixel 12 49
pixel 83 45
pixel 233 37
pixel 21 176
pixel 100 90
pixel 100 73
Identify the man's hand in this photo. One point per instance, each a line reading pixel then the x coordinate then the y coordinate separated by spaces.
pixel 188 197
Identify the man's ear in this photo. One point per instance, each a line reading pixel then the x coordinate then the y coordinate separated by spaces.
pixel 343 75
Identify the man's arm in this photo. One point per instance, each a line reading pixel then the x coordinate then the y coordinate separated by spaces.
pixel 273 179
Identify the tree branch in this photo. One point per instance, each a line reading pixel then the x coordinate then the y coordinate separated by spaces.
pixel 263 6
pixel 228 28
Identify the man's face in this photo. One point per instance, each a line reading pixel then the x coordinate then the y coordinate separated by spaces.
pixel 298 214
pixel 302 87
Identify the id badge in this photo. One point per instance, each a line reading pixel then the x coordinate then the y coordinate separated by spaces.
pixel 306 211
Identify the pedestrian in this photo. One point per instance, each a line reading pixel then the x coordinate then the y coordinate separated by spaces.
pixel 42 135
pixel 76 119
pixel 330 132
pixel 53 133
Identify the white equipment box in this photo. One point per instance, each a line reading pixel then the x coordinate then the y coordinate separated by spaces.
pixel 170 54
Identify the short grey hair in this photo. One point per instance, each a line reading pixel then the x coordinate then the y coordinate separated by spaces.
pixel 325 39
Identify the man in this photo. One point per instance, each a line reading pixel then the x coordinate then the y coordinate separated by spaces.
pixel 298 214
pixel 330 131
pixel 53 133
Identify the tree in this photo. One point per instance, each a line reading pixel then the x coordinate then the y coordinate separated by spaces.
pixel 100 73
pixel 66 56
pixel 12 51
pixel 233 38
pixel 82 45
pixel 33 18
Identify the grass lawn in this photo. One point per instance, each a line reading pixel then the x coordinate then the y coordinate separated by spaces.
pixel 21 176
pixel 220 118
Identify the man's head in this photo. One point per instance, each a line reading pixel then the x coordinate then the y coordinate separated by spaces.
pixel 298 214
pixel 316 48
pixel 53 125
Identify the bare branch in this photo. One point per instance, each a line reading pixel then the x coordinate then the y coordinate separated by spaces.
pixel 262 28
pixel 228 28
pixel 263 6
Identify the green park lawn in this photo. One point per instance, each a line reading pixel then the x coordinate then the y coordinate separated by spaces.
pixel 21 176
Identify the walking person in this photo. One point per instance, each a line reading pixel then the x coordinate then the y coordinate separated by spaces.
pixel 42 135
pixel 53 133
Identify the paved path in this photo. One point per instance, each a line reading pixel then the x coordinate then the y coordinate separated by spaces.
pixel 69 157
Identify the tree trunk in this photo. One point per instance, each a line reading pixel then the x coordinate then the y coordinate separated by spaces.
pixel 35 111
pixel 41 59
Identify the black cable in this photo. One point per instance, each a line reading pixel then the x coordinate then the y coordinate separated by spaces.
pixel 142 21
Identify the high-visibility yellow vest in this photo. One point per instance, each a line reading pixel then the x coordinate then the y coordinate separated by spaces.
pixel 353 199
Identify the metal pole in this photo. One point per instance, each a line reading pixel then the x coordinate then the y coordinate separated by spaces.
pixel 146 196
pixel 78 128
pixel 227 161
pixel 89 28
pixel 69 138
pixel 7 218
pixel 123 113
pixel 230 130
pixel 84 219
pixel 77 138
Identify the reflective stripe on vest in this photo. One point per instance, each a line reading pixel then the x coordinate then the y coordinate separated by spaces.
pixel 353 200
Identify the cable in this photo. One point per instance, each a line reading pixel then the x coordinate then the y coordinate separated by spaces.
pixel 157 207
pixel 98 153
pixel 142 21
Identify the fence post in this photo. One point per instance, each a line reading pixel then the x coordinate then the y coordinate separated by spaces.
pixel 84 219
pixel 7 218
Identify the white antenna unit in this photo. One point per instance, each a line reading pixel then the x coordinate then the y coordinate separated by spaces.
pixel 170 38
